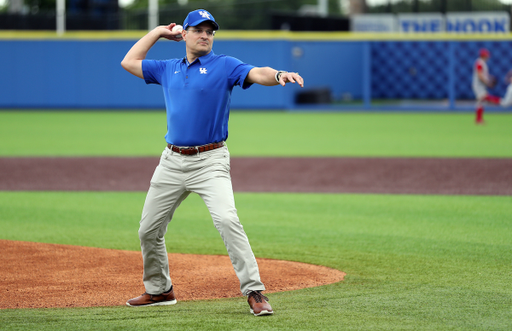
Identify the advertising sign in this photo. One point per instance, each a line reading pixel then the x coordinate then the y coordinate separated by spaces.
pixel 470 22
pixel 421 22
pixel 483 22
pixel 373 23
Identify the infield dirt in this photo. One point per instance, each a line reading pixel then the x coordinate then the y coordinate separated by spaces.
pixel 331 175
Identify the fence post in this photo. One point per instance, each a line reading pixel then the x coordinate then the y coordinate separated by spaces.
pixel 451 74
pixel 367 74
pixel 153 20
pixel 61 16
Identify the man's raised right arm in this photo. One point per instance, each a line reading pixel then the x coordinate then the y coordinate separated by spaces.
pixel 132 61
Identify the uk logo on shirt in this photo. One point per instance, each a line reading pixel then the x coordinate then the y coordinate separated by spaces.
pixel 203 71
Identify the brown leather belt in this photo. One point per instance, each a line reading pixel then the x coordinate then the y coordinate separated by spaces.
pixel 195 149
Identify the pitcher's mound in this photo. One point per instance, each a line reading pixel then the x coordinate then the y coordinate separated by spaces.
pixel 36 275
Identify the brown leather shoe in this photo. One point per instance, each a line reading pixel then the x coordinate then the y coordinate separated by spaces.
pixel 258 303
pixel 146 299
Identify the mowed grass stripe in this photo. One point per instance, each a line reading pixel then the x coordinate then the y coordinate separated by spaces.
pixel 283 134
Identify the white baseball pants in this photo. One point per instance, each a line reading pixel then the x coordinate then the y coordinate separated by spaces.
pixel 507 99
pixel 206 174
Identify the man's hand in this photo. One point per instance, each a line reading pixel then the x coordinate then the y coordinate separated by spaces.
pixel 266 76
pixel 167 33
pixel 291 77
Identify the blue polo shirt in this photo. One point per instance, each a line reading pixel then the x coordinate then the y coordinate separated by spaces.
pixel 197 95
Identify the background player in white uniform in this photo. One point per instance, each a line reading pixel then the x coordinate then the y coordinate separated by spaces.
pixel 507 99
pixel 481 81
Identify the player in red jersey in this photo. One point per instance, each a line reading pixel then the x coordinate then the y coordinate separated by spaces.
pixel 481 81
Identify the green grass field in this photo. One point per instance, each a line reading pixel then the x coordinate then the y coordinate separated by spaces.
pixel 413 262
pixel 261 134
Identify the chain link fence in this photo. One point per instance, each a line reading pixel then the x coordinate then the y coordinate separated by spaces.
pixel 232 15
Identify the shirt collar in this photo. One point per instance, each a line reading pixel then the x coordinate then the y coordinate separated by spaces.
pixel 202 60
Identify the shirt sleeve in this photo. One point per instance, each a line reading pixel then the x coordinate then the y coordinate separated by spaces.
pixel 153 70
pixel 237 72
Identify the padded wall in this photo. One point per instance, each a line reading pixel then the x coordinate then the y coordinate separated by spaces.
pixel 87 73
pixel 421 69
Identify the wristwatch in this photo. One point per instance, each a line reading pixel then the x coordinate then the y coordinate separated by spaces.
pixel 278 74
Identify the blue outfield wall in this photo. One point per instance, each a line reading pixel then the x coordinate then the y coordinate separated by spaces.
pixel 86 73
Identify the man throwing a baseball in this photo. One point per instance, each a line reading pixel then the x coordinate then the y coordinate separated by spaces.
pixel 197 91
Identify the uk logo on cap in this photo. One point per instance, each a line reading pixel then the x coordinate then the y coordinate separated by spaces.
pixel 199 16
pixel 205 14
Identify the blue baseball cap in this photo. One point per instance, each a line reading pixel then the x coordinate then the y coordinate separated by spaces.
pixel 197 17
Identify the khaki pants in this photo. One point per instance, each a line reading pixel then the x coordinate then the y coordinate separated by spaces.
pixel 206 174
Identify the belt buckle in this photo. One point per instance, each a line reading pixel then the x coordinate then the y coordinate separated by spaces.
pixel 189 150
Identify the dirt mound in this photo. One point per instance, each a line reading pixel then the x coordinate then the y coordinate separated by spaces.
pixel 50 275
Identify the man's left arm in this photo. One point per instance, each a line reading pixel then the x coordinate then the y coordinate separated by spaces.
pixel 269 77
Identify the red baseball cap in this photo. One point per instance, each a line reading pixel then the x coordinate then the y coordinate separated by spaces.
pixel 484 52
